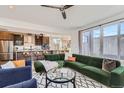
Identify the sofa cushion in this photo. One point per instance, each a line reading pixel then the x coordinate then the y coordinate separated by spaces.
pixel 117 77
pixel 48 65
pixel 108 65
pixel 91 61
pixel 62 56
pixel 97 74
pixel 19 63
pixel 67 55
pixel 7 65
pixel 72 59
pixel 39 67
pixel 74 65
pixel 54 57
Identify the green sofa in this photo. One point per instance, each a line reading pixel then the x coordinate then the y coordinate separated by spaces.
pixel 51 57
pixel 92 67
pixel 39 68
pixel 54 57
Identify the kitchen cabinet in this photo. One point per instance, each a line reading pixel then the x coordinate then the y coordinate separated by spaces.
pixel 45 40
pixel 38 40
pixel 18 40
pixel 6 35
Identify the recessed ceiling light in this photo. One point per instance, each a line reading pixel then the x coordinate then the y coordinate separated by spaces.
pixel 11 6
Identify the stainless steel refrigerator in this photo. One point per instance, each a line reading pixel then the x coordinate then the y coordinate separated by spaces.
pixel 6 50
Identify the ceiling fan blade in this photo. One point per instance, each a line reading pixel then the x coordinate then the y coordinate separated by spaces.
pixel 67 6
pixel 50 6
pixel 63 14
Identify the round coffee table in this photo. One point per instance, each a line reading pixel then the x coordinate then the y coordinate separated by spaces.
pixel 60 75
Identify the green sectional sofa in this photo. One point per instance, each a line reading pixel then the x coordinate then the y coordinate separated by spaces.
pixel 92 67
pixel 51 57
pixel 39 67
pixel 54 57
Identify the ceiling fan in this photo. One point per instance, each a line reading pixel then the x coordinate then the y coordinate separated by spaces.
pixel 61 8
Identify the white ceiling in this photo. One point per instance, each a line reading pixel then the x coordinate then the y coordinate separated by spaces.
pixel 77 16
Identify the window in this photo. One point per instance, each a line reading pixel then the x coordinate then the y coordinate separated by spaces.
pixel 104 41
pixel 86 43
pixel 122 40
pixel 96 42
pixel 110 41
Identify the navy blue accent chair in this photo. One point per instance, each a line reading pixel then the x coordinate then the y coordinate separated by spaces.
pixel 15 75
pixel 32 83
pixel 28 63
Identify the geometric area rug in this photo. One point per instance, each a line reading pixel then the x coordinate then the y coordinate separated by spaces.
pixel 81 81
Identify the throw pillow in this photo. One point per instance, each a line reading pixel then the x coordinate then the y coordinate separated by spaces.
pixel 49 65
pixel 121 61
pixel 19 63
pixel 8 65
pixel 108 65
pixel 66 55
pixel 72 59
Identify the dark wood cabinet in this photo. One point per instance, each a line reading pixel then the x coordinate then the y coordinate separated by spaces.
pixel 38 40
pixel 19 40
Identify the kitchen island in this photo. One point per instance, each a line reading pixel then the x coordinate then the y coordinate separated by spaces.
pixel 35 55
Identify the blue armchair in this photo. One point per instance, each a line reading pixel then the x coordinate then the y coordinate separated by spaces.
pixel 28 63
pixel 32 83
pixel 16 75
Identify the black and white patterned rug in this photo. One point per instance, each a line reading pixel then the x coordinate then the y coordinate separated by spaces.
pixel 82 81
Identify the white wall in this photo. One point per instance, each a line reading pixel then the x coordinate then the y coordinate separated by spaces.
pixel 108 19
pixel 74 42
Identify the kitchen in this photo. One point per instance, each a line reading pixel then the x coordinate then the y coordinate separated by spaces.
pixel 16 46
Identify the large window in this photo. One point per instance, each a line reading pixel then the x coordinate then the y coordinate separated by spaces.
pixel 122 40
pixel 96 42
pixel 110 41
pixel 105 40
pixel 86 43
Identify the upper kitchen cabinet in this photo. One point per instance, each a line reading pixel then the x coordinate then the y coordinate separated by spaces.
pixel 45 40
pixel 6 35
pixel 38 39
pixel 18 39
